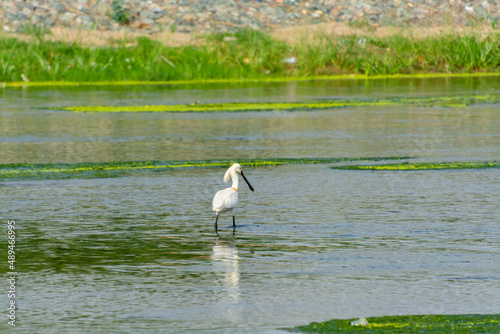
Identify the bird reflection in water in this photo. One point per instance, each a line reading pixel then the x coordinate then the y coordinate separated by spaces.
pixel 225 261
pixel 226 266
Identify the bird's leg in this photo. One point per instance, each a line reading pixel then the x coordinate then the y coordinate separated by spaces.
pixel 216 218
pixel 234 223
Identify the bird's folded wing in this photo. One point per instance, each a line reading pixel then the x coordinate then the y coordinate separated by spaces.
pixel 225 199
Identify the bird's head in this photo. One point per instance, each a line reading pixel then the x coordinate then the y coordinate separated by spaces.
pixel 236 168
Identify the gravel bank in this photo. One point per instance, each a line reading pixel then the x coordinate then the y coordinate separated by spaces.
pixel 196 16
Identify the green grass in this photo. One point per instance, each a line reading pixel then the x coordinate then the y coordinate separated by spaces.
pixel 437 324
pixel 461 101
pixel 146 60
pixel 113 169
pixel 424 166
pixel 252 55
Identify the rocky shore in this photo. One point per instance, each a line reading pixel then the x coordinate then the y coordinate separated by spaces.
pixel 196 16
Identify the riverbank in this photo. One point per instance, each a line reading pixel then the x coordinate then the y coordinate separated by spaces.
pixel 196 16
pixel 249 55
pixel 291 35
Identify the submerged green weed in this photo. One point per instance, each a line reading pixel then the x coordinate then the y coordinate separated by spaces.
pixel 308 105
pixel 424 166
pixel 409 324
pixel 112 169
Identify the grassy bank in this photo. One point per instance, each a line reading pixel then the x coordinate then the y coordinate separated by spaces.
pixel 247 54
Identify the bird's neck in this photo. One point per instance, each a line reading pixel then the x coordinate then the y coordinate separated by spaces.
pixel 234 177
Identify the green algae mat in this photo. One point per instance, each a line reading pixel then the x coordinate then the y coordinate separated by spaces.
pixel 443 101
pixel 227 81
pixel 114 169
pixel 423 166
pixel 437 324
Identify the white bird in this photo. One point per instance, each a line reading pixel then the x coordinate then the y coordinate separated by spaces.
pixel 227 199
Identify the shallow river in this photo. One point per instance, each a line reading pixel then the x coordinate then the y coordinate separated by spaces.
pixel 139 254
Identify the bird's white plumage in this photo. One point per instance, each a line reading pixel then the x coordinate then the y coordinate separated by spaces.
pixel 224 200
pixel 228 174
pixel 227 199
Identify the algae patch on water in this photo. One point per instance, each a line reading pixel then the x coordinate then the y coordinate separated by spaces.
pixel 240 80
pixel 438 324
pixel 424 166
pixel 113 169
pixel 443 101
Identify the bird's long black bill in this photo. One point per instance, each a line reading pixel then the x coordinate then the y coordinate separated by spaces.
pixel 249 185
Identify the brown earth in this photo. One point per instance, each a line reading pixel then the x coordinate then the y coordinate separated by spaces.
pixel 291 35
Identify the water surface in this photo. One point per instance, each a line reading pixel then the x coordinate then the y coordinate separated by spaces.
pixel 139 253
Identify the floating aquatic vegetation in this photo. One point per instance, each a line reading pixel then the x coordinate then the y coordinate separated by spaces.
pixel 438 324
pixel 443 101
pixel 113 169
pixel 424 166
pixel 246 80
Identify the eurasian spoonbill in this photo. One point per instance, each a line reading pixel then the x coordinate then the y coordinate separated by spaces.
pixel 227 199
